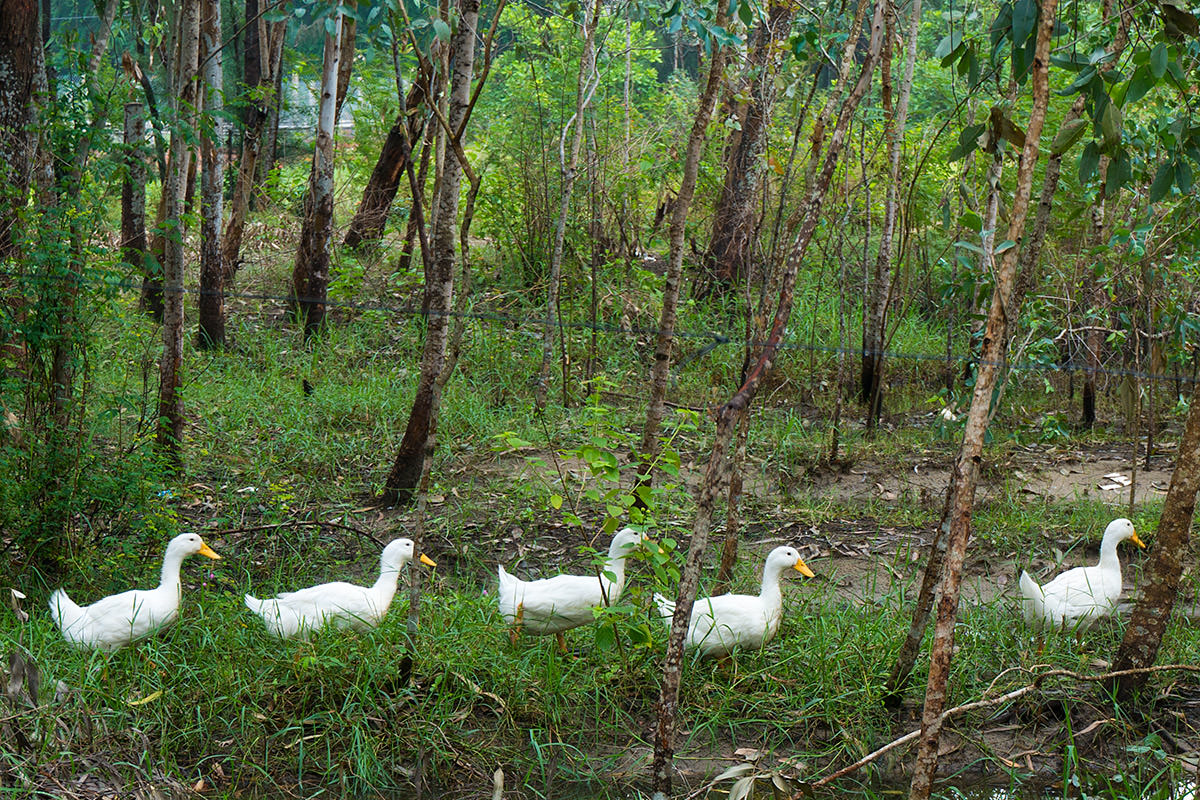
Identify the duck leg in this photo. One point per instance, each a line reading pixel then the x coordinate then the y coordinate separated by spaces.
pixel 518 620
pixel 562 642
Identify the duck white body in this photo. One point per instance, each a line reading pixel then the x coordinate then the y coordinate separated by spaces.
pixel 721 623
pixel 341 604
pixel 117 620
pixel 554 605
pixel 1080 596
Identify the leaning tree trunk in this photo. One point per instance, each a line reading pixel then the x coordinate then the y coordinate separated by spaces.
pixel 1160 579
pixel 586 83
pixel 211 302
pixel 366 228
pixel 718 465
pixel 881 284
pixel 405 475
pixel 170 402
pixel 310 275
pixel 660 371
pixel 735 218
pixel 1001 317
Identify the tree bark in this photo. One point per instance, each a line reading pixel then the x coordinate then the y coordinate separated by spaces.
pixel 735 218
pixel 133 188
pixel 366 228
pixel 881 285
pixel 211 303
pixel 170 402
pixel 664 342
pixel 404 477
pixel 1160 579
pixel 586 83
pixel 310 275
pixel 1002 315
pixel 269 41
pixel 809 216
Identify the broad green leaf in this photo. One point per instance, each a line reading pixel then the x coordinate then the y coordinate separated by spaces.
pixel 974 248
pixel 746 13
pixel 1119 172
pixel 556 501
pixel 1068 135
pixel 948 44
pixel 1007 244
pixel 1164 177
pixel 971 221
pixel 967 141
pixel 1158 61
pixel 1025 14
pixel 441 30
pixel 1141 83
pixel 1089 161
pixel 1110 127
pixel 1183 176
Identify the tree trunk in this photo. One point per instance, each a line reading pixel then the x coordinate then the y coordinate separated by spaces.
pixel 19 41
pixel 366 228
pixel 735 218
pixel 1160 579
pixel 660 371
pixel 346 57
pixel 170 402
pixel 310 275
pixel 585 84
pixel 269 42
pixel 1002 315
pixel 133 189
pixel 881 284
pixel 403 479
pixel 211 303
pixel 809 216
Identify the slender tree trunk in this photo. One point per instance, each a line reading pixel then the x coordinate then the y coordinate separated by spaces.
pixel 269 42
pixel 660 371
pixel 1160 579
pixel 133 188
pixel 310 275
pixel 1002 315
pixel 366 228
pixel 346 57
pixel 881 285
pixel 586 83
pixel 809 216
pixel 170 402
pixel 402 481
pixel 735 219
pixel 211 303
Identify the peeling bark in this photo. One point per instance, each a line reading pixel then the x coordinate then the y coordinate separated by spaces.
pixel 211 302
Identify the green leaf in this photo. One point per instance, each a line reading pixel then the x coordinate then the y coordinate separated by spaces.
pixel 1070 133
pixel 1183 177
pixel 556 501
pixel 1158 61
pixel 745 14
pixel 1164 178
pixel 974 248
pixel 1007 244
pixel 1119 172
pixel 1024 19
pixel 1110 127
pixel 973 68
pixel 967 141
pixel 1089 161
pixel 441 30
pixel 948 44
pixel 606 637
pixel 1141 83
pixel 971 221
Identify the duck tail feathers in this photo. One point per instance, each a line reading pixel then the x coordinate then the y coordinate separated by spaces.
pixel 1034 600
pixel 666 608
pixel 63 609
pixel 254 604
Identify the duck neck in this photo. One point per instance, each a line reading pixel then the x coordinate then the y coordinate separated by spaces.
pixel 170 571
pixel 385 587
pixel 1108 555
pixel 771 591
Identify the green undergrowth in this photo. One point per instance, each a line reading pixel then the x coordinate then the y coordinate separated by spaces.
pixel 216 698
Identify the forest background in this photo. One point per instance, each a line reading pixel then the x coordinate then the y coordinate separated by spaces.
pixel 304 277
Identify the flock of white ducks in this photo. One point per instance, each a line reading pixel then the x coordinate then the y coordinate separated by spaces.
pixel 718 625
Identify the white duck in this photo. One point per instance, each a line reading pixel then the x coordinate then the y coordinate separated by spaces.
pixel 722 623
pixel 117 620
pixel 1080 596
pixel 554 605
pixel 340 604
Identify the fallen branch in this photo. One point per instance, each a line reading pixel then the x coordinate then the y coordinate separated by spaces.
pixel 985 703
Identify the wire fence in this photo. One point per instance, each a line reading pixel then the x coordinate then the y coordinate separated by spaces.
pixel 712 339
